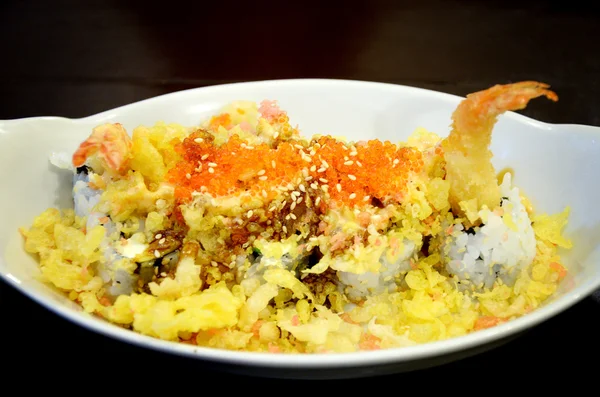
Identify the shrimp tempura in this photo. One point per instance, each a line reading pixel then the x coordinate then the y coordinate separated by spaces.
pixel 108 143
pixel 469 168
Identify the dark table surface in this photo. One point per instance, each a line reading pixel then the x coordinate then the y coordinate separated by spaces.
pixel 76 58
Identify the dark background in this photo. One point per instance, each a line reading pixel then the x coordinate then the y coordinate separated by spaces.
pixel 77 58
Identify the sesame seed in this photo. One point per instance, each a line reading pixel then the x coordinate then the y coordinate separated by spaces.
pixel 293 206
pixel 212 164
pixel 261 172
pixel 325 188
pixel 163 274
pixel 275 134
pixel 353 153
pixel 211 170
pixel 313 168
pixel 156 254
pixel 304 172
pixel 324 164
pixel 349 162
pixel 322 169
pixel 308 159
pixel 338 187
pixel 284 229
pixel 214 264
pixel 272 209
pixel 204 157
pixel 263 178
pixel 299 200
pixel 323 180
pixel 296 193
pixel 313 152
pixel 293 216
pixel 249 147
pixel 264 193
pixel 302 188
pixel 308 178
pixel 351 177
pixel 249 213
pixel 358 163
pixel 273 163
pixel 366 198
pixel 162 240
pixel 158 236
pixel 396 161
pixel 290 186
pixel 314 185
pixel 188 176
pixel 345 158
pixel 198 140
pixel 352 196
pixel 299 146
pixel 287 217
pixel 318 200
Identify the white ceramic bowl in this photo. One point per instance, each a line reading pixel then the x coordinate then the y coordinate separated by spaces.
pixel 556 165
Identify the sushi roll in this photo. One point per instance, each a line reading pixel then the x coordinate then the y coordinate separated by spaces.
pixel 500 247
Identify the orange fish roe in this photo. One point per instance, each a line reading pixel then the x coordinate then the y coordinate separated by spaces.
pixel 233 168
pixel 340 174
pixel 356 174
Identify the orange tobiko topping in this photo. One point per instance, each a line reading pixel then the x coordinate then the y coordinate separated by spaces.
pixel 368 170
pixel 233 167
pixel 331 171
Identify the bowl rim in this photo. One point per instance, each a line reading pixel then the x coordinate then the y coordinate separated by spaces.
pixel 313 360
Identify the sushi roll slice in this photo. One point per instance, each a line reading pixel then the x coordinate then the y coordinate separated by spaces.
pixel 117 278
pixel 499 248
pixel 361 235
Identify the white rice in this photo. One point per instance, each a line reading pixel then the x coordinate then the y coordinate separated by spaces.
pixel 61 160
pixel 494 249
pixel 117 281
pixel 358 286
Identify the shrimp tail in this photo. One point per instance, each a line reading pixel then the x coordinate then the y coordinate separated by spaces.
pixel 469 169
pixel 109 144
